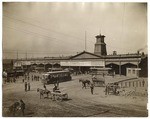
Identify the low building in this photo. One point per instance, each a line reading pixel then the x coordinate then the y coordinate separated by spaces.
pixel 82 62
pixel 133 72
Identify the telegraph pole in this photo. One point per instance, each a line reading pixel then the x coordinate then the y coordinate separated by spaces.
pixel 85 40
pixel 17 54
pixel 26 55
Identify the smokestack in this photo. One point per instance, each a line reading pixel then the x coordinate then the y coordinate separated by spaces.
pixel 114 52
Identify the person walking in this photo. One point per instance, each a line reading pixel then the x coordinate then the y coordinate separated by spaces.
pixel 92 88
pixel 22 106
pixel 44 86
pixel 25 86
pixel 28 86
pixel 106 90
pixel 83 84
pixel 32 77
pixel 28 78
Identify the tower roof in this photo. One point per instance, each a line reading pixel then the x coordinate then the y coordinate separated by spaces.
pixel 99 36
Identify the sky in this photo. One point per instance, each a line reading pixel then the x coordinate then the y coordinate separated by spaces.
pixel 36 29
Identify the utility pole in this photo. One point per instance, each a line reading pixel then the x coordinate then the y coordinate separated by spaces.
pixel 26 55
pixel 17 54
pixel 99 31
pixel 85 40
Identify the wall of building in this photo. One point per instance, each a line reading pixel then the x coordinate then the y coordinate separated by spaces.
pixel 144 67
pixel 132 72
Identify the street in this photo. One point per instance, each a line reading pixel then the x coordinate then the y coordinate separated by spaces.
pixel 81 102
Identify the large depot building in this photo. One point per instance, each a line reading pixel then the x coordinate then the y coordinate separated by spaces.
pixel 83 61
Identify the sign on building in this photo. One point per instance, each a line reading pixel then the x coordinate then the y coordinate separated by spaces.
pixel 82 63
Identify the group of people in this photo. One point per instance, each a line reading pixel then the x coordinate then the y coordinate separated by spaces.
pixel 35 78
pixel 10 80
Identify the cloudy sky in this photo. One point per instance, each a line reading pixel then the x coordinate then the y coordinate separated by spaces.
pixel 54 29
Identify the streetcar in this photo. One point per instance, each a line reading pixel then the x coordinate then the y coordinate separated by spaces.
pixel 56 77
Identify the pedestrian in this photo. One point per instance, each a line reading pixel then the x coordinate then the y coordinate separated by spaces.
pixel 44 86
pixel 25 86
pixel 106 89
pixel 32 77
pixel 92 88
pixel 28 86
pixel 57 83
pixel 22 106
pixel 28 78
pixel 23 80
pixel 83 84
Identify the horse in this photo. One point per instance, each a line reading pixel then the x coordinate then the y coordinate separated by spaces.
pixel 85 82
pixel 42 92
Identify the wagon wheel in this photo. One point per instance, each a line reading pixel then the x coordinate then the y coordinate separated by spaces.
pixel 66 96
pixel 59 98
pixel 53 97
pixel 50 96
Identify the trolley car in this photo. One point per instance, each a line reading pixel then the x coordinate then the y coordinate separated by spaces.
pixel 56 76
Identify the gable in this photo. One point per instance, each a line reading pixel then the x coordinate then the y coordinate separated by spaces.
pixel 85 55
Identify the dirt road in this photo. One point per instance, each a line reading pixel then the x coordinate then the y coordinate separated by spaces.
pixel 81 102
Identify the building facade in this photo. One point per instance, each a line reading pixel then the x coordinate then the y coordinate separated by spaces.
pixel 83 61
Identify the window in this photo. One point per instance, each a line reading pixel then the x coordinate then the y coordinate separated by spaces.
pixel 140 83
pixel 133 84
pixel 125 84
pixel 133 71
pixel 129 84
pixel 129 71
pixel 136 84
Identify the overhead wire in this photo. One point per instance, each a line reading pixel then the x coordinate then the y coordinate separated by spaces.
pixel 47 29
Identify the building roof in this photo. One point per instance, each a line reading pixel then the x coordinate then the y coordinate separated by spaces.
pixel 123 56
pixel 86 55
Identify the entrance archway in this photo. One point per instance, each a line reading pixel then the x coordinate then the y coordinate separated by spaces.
pixel 114 67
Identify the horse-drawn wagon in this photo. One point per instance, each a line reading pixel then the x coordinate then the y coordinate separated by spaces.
pixel 54 95
pixel 112 88
pixel 58 95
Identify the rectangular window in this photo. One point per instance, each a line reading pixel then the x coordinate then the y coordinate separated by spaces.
pixel 129 84
pixel 129 71
pixel 137 84
pixel 133 84
pixel 133 71
pixel 125 84
pixel 140 83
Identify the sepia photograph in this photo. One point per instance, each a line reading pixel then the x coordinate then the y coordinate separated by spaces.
pixel 74 59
